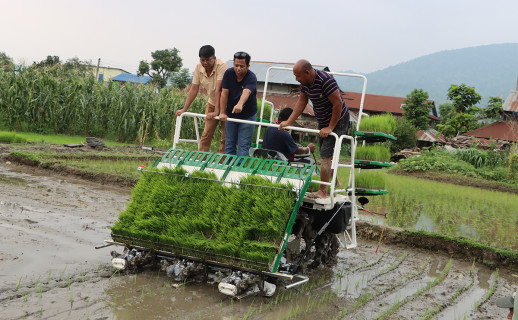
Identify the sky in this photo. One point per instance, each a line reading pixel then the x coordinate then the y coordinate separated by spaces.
pixel 346 35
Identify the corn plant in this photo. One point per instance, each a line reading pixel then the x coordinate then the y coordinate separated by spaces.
pixel 55 100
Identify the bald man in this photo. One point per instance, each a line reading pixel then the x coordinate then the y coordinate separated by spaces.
pixel 330 110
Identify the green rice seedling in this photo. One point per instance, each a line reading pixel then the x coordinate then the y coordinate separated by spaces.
pixel 18 286
pixel 370 179
pixel 376 152
pixel 62 272
pixel 491 291
pixel 462 212
pixel 48 278
pixel 385 123
pixel 196 217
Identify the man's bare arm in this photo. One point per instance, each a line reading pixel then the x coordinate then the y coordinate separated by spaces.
pixel 193 92
pixel 217 102
pixel 297 111
pixel 242 100
pixel 223 105
pixel 335 99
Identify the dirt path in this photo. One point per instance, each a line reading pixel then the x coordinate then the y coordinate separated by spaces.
pixel 49 269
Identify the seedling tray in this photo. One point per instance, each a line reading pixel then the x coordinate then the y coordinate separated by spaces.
pixel 192 254
pixel 373 136
pixel 240 208
pixel 368 164
pixel 369 192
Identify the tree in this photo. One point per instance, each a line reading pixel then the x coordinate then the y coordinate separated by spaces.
pixel 494 110
pixel 181 79
pixel 417 109
pixel 50 61
pixel 79 66
pixel 6 62
pixel 464 114
pixel 406 136
pixel 164 63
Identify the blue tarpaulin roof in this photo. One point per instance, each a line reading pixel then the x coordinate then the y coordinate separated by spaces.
pixel 128 77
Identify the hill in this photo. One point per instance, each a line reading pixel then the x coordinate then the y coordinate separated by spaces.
pixel 491 69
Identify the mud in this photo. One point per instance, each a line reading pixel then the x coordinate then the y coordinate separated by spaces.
pixel 49 268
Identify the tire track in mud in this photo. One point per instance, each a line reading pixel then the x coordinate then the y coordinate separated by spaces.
pixel 394 283
pixel 443 288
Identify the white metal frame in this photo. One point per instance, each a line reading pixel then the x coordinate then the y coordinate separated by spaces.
pixel 335 194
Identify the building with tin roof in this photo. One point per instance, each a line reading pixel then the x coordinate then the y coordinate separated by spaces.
pixel 506 130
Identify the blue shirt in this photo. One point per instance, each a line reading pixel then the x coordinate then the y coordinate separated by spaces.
pixel 278 140
pixel 235 89
pixel 319 92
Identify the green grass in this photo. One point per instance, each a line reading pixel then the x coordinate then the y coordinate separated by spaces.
pixel 11 137
pixel 125 168
pixel 459 163
pixel 115 163
pixel 55 138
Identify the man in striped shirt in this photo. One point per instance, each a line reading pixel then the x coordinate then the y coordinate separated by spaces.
pixel 330 110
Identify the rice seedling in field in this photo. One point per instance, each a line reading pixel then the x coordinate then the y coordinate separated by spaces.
pixel 385 123
pixel 377 152
pixel 421 290
pixel 491 291
pixel 482 216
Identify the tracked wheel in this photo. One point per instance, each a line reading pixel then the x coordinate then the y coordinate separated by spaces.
pixel 324 249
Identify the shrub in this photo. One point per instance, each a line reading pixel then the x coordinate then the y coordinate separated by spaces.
pixel 405 134
pixel 480 158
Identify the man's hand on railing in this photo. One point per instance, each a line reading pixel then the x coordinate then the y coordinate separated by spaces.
pixel 211 115
pixel 179 112
pixel 324 132
pixel 283 125
pixel 223 117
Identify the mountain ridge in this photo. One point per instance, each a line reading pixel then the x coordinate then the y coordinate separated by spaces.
pixel 491 69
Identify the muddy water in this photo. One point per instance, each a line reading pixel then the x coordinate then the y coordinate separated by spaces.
pixel 49 269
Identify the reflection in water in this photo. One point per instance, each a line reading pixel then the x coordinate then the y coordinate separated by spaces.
pixel 152 296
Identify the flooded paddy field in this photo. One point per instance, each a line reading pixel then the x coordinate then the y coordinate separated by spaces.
pixel 49 269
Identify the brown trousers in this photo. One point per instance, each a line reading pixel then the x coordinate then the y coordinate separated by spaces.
pixel 208 132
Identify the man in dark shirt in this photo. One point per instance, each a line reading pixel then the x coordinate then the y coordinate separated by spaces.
pixel 238 100
pixel 282 141
pixel 330 110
